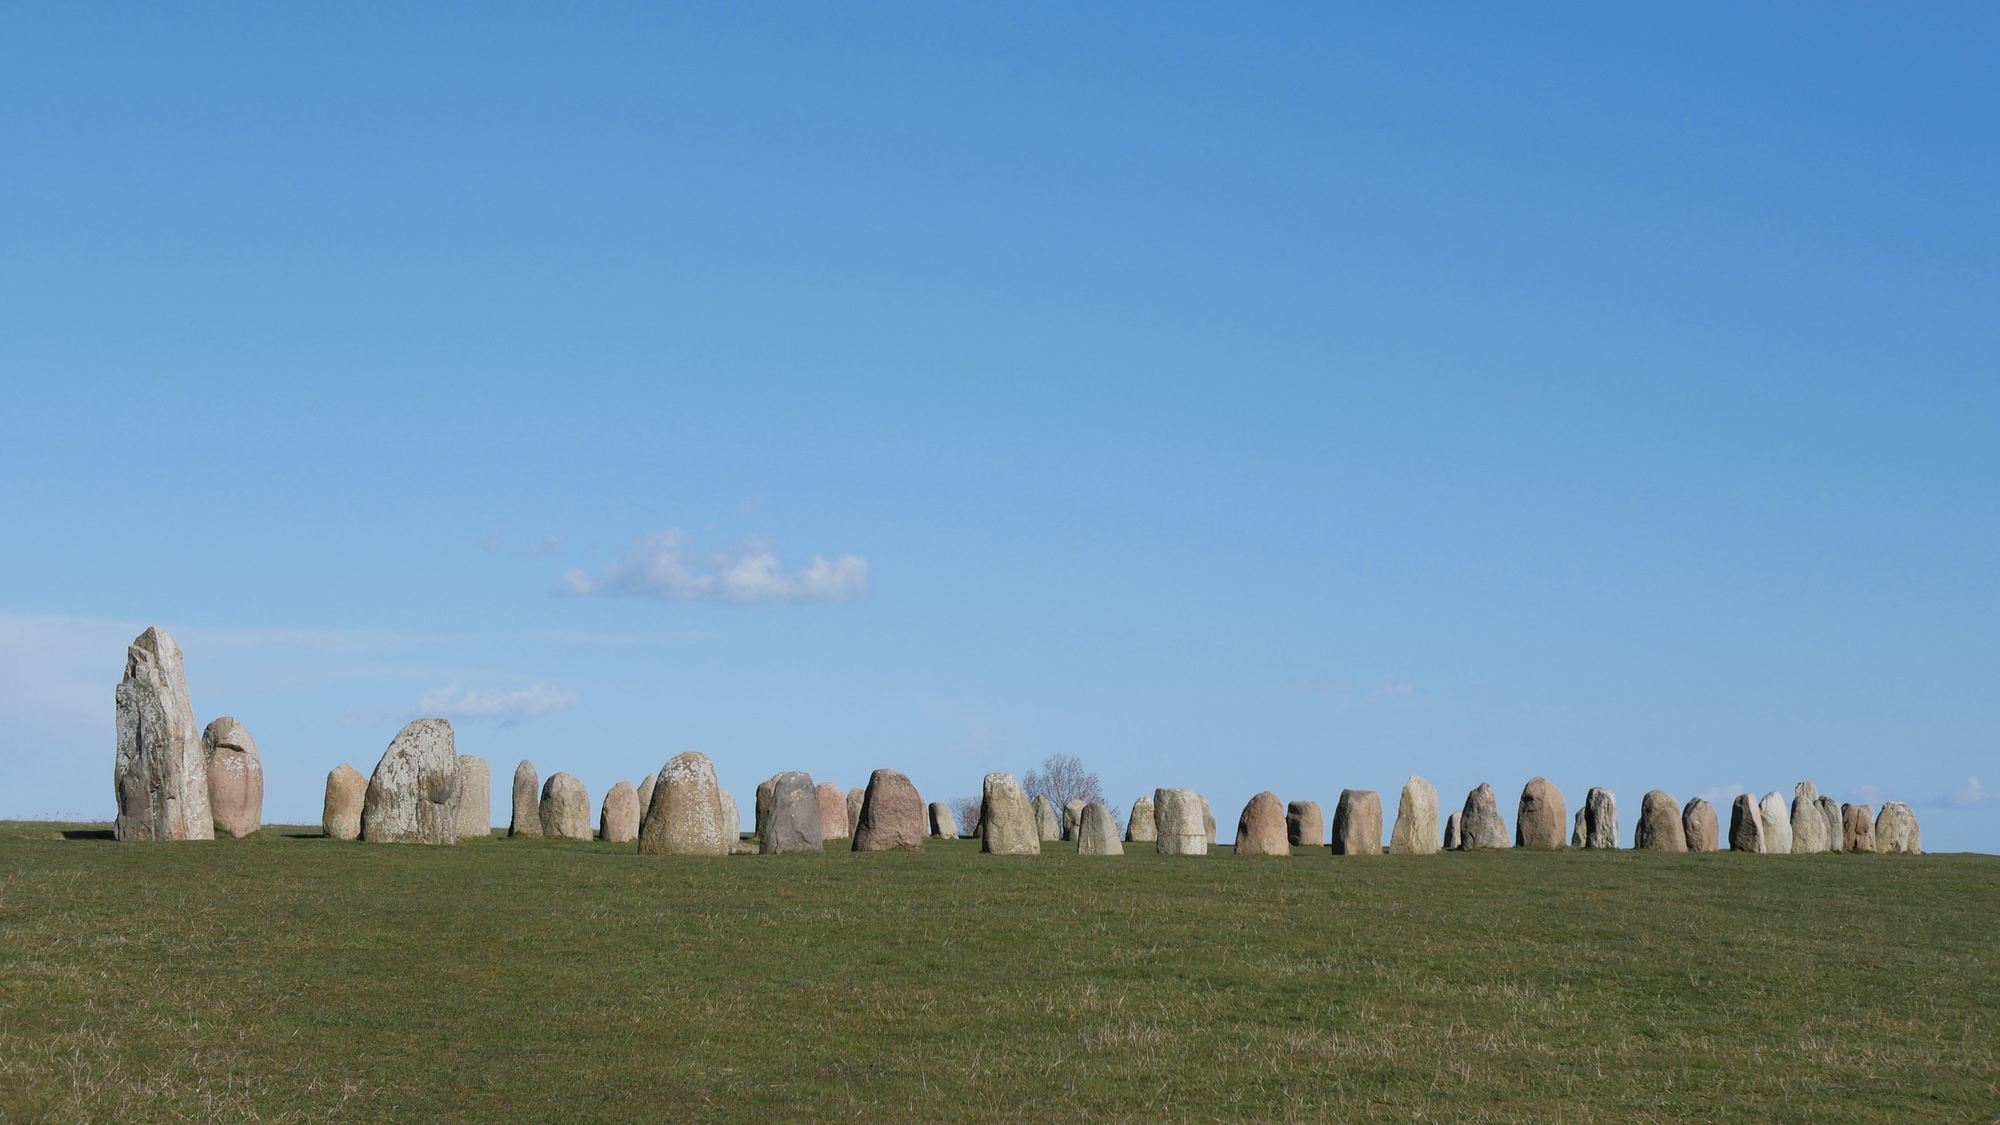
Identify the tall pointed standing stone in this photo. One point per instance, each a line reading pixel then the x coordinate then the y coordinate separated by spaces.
pixel 1777 824
pixel 1048 822
pixel 1305 827
pixel 1699 826
pixel 1261 828
pixel 1542 817
pixel 475 799
pixel 1746 825
pixel 1808 823
pixel 1857 828
pixel 1357 823
pixel 161 775
pixel 1660 824
pixel 414 793
pixel 1600 819
pixel 618 822
pixel 565 808
pixel 686 817
pixel 892 815
pixel 1829 811
pixel 1416 831
pixel 943 824
pixel 346 791
pixel 1178 815
pixel 832 812
pixel 1481 828
pixel 1006 819
pixel 527 812
pixel 235 778
pixel 1139 827
pixel 1896 829
pixel 1097 831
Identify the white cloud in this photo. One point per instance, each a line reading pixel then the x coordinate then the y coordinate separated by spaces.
pixel 1970 795
pixel 660 565
pixel 1726 795
pixel 472 706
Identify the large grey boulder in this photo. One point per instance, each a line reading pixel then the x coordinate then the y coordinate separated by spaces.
pixel 235 778
pixel 1857 828
pixel 565 808
pixel 1660 824
pixel 1808 823
pixel 346 791
pixel 160 776
pixel 1357 823
pixel 943 823
pixel 687 816
pixel 892 815
pixel 1896 829
pixel 1097 831
pixel 1542 816
pixel 1416 831
pixel 1777 824
pixel 1072 817
pixel 1699 826
pixel 414 793
pixel 855 798
pixel 526 815
pixel 1140 827
pixel 1048 822
pixel 1305 827
pixel 1600 819
pixel 1006 820
pixel 832 812
pixel 475 798
pixel 1482 828
pixel 1177 814
pixel 793 822
pixel 1829 811
pixel 1746 825
pixel 618 821
pixel 1261 828
pixel 1454 834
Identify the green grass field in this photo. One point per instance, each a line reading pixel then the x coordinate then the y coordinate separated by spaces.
pixel 283 978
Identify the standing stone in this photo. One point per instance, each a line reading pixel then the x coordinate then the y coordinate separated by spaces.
pixel 1576 831
pixel 1482 828
pixel 1600 819
pixel 1857 828
pixel 765 792
pixel 1808 823
pixel 1048 822
pixel 732 822
pixel 1178 816
pixel 618 823
pixel 793 823
pixel 1357 823
pixel 346 790
pixel 1072 817
pixel 892 815
pixel 1777 824
pixel 1542 814
pixel 565 808
pixel 832 812
pixel 646 785
pixel 1699 828
pixel 1304 826
pixel 1097 831
pixel 1660 824
pixel 1139 827
pixel 235 778
pixel 527 816
pixel 1454 837
pixel 413 796
pixel 1746 825
pixel 160 776
pixel 855 797
pixel 1416 831
pixel 1829 810
pixel 687 816
pixel 1896 829
pixel 1007 822
pixel 943 824
pixel 1261 828
pixel 475 799
pixel 1207 820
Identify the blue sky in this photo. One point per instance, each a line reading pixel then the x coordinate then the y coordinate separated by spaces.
pixel 1287 398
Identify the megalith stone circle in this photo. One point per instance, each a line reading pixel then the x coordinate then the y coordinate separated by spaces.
pixel 1178 815
pixel 1541 817
pixel 1261 828
pixel 892 815
pixel 687 816
pixel 160 776
pixel 414 792
pixel 1660 824
pixel 1007 822
pixel 1097 831
pixel 235 777
pixel 475 798
pixel 1357 823
pixel 565 808
pixel 1417 826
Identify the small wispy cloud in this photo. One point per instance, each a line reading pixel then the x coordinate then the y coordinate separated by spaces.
pixel 1970 795
pixel 506 708
pixel 1724 796
pixel 661 565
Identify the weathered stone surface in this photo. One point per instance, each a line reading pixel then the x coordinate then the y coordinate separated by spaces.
pixel 832 812
pixel 235 778
pixel 1777 824
pixel 892 815
pixel 1357 823
pixel 475 798
pixel 1097 831
pixel 1454 837
pixel 943 823
pixel 1700 829
pixel 1006 820
pixel 414 793
pixel 1416 831
pixel 1140 827
pixel 565 808
pixel 1600 819
pixel 160 776
pixel 1304 825
pixel 1177 814
pixel 1576 830
pixel 1072 816
pixel 687 816
pixel 1048 822
pixel 346 790
pixel 527 812
pixel 1857 828
pixel 765 792
pixel 646 785
pixel 1808 823
pixel 1208 820
pixel 855 798
pixel 1542 816
pixel 1896 829
pixel 732 820
pixel 1829 811
pixel 1660 824
pixel 1746 825
pixel 1261 828
pixel 1482 828
pixel 618 821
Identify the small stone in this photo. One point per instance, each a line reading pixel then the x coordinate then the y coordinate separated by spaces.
pixel 1139 827
pixel 1416 831
pixel 1208 820
pixel 1857 828
pixel 475 798
pixel 855 798
pixel 1746 825
pixel 160 776
pixel 892 815
pixel 1261 828
pixel 346 789
pixel 793 824
pixel 1600 819
pixel 732 820
pixel 235 778
pixel 1482 828
pixel 565 808
pixel 1700 830
pixel 1097 831
pixel 1896 830
pixel 1178 816
pixel 1072 817
pixel 1542 814
pixel 687 816
pixel 1454 837
pixel 1777 824
pixel 646 785
pixel 618 822
pixel 943 824
pixel 1357 823
pixel 764 796
pixel 527 817
pixel 1048 822
pixel 1576 831
pixel 1304 826
pixel 1007 822
pixel 1660 824
pixel 832 812
pixel 1829 811
pixel 413 795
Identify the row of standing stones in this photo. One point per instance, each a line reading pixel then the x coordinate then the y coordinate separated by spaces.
pixel 174 783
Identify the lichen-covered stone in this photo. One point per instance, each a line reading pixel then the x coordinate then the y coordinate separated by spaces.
pixel 1699 827
pixel 1305 827
pixel 1857 828
pixel 1541 817
pixel 1808 822
pixel 1600 819
pixel 1416 831
pixel 235 778
pixel 1097 831
pixel 1481 827
pixel 1777 824
pixel 1261 828
pixel 1896 829
pixel 1007 822
pixel 1139 827
pixel 160 776
pixel 414 793
pixel 892 815
pixel 1048 822
pixel 1660 824
pixel 565 808
pixel 475 798
pixel 1178 813
pixel 1746 825
pixel 526 815
pixel 1072 817
pixel 646 785
pixel 1829 811
pixel 346 791
pixel 1357 823
pixel 732 820
pixel 832 812
pixel 687 816
pixel 943 823
pixel 618 821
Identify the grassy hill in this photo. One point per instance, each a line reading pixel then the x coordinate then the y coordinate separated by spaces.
pixel 289 978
